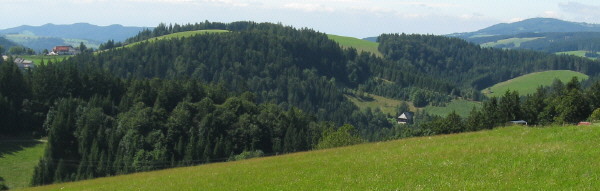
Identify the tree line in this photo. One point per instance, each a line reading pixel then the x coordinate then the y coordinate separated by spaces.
pixel 558 104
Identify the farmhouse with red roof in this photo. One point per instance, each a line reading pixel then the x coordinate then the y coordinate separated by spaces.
pixel 64 50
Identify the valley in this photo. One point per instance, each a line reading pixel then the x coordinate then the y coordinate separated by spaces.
pixel 178 102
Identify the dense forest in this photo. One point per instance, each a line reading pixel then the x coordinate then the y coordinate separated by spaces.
pixel 471 66
pixel 262 89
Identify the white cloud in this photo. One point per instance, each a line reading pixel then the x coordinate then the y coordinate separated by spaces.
pixel 309 7
pixel 550 14
pixel 516 19
pixel 162 1
pixel 235 3
pixel 429 5
pixel 580 11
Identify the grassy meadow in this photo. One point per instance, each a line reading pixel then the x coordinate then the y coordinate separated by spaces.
pixel 358 44
pixel 527 84
pixel 460 106
pixel 508 158
pixel 386 105
pixel 17 160
pixel 37 59
pixel 516 41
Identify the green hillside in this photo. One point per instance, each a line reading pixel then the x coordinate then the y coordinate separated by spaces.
pixel 527 84
pixel 510 158
pixel 358 44
pixel 460 106
pixel 179 35
pixel 17 160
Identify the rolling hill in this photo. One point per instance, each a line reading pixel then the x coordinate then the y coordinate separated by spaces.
pixel 300 70
pixel 527 84
pixel 509 158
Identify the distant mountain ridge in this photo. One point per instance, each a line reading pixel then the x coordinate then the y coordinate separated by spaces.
pixel 533 25
pixel 78 31
pixel 540 34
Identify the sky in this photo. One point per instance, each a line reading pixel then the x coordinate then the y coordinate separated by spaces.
pixel 356 18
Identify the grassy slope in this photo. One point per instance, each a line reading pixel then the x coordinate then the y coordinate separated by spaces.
pixel 460 106
pixel 510 158
pixel 17 160
pixel 527 84
pixel 386 105
pixel 358 44
pixel 179 35
pixel 516 41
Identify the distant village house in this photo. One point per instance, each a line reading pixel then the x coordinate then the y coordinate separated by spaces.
pixel 24 64
pixel 405 118
pixel 64 50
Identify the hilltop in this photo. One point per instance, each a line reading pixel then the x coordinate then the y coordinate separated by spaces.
pixel 533 25
pixel 508 158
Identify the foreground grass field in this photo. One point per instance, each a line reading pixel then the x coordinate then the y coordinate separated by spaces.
pixel 527 84
pixel 358 44
pixel 17 160
pixel 460 106
pixel 510 158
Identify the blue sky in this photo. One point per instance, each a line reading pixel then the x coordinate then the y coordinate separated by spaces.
pixel 357 18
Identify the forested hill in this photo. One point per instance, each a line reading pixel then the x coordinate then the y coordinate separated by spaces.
pixel 468 65
pixel 6 44
pixel 281 64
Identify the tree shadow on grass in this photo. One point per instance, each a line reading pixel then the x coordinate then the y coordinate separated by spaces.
pixel 8 147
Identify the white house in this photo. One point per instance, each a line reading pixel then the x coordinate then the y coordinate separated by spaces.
pixel 406 117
